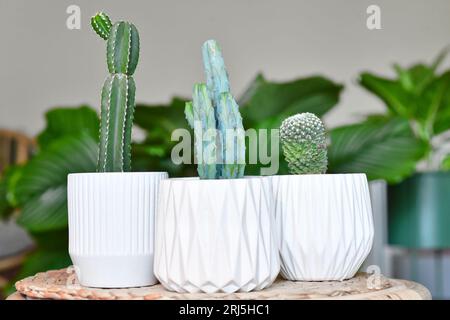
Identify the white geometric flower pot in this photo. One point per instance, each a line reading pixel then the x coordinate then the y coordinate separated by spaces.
pixel 216 235
pixel 111 227
pixel 324 224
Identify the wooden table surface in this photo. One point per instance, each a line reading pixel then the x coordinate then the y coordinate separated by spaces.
pixel 63 284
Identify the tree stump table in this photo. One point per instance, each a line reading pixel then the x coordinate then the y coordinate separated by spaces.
pixel 63 284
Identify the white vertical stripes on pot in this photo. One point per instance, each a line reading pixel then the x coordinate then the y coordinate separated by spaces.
pixel 111 227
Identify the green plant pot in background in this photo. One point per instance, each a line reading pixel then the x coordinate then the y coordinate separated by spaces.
pixel 419 211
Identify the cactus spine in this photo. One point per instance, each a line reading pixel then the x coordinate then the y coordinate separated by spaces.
pixel 214 116
pixel 118 93
pixel 303 141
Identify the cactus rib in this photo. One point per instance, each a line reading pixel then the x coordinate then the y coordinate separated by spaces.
pixel 216 74
pixel 116 124
pixel 204 132
pixel 123 48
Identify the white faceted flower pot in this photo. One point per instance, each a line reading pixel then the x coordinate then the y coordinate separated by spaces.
pixel 111 227
pixel 324 224
pixel 216 235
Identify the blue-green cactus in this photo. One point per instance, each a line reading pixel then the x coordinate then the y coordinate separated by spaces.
pixel 118 102
pixel 303 140
pixel 220 144
pixel 203 114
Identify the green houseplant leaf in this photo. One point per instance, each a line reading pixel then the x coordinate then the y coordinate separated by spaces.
pixel 265 104
pixel 9 178
pixel 158 123
pixel 398 100
pixel 445 165
pixel 65 145
pixel 41 191
pixel 382 147
pixel 418 94
pixel 437 115
pixel 416 78
pixel 429 107
pixel 68 121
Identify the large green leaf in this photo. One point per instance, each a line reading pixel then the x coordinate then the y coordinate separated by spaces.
pixel 381 147
pixel 416 78
pixel 417 94
pixel 41 189
pixel 68 121
pixel 429 107
pixel 445 165
pixel 44 260
pixel 8 179
pixel 398 100
pixel 436 115
pixel 38 188
pixel 167 117
pixel 158 122
pixel 265 104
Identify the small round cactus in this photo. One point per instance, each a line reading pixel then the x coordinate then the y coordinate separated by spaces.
pixel 303 141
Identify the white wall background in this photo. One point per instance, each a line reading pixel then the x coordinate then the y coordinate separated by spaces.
pixel 43 64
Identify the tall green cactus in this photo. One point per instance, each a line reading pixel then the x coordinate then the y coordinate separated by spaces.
pixel 303 140
pixel 117 110
pixel 214 116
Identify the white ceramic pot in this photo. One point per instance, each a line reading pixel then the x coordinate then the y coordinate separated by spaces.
pixel 111 227
pixel 324 224
pixel 216 235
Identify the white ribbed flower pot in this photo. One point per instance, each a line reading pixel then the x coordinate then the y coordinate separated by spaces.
pixel 111 227
pixel 216 235
pixel 324 224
